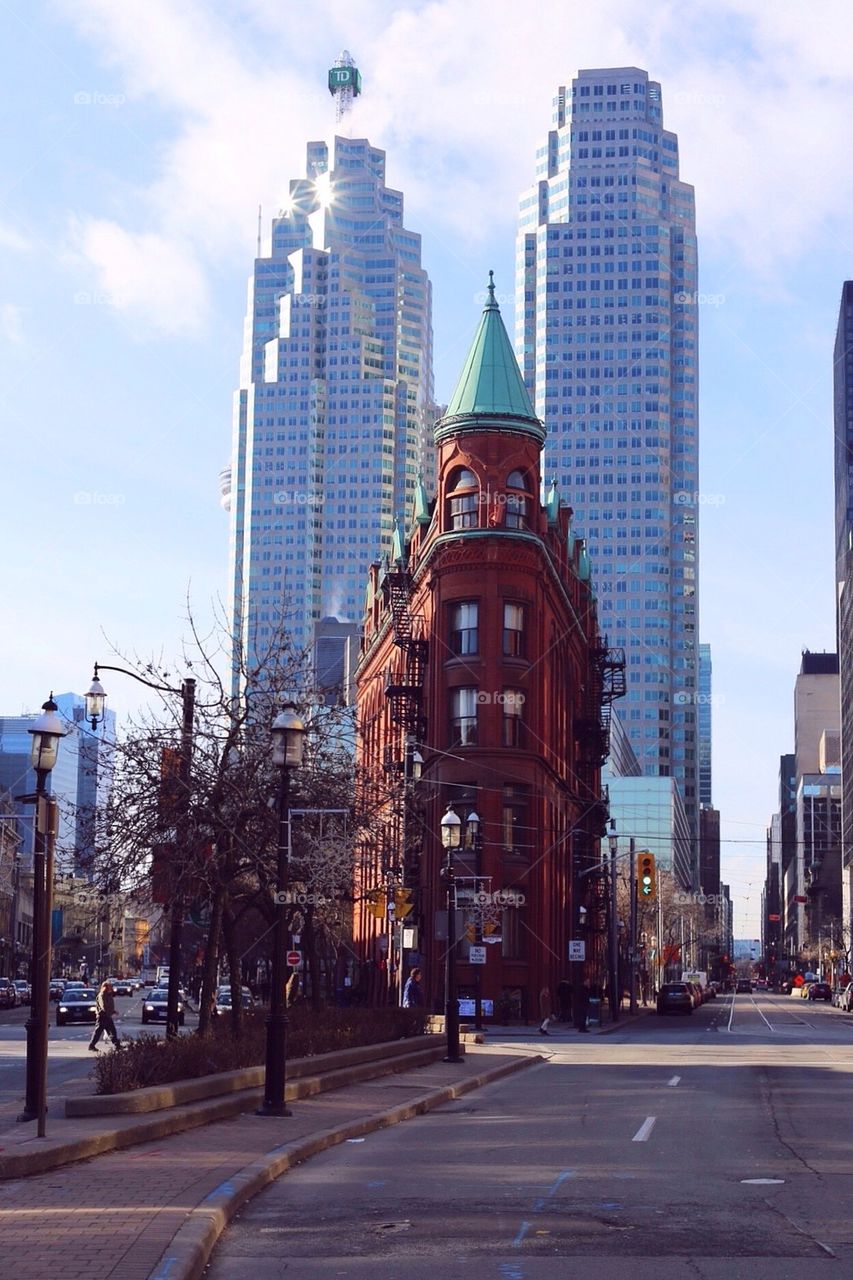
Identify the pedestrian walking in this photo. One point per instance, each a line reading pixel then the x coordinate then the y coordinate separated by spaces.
pixel 105 1006
pixel 545 1010
pixel 413 996
pixel 581 1006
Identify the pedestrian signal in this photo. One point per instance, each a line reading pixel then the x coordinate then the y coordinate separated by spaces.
pixel 403 905
pixel 646 881
pixel 471 932
pixel 376 903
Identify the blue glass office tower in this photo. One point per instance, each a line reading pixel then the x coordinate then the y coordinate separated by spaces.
pixel 606 334
pixel 335 398
pixel 704 722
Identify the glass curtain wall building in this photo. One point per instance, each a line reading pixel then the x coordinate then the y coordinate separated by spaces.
pixel 335 398
pixel 606 335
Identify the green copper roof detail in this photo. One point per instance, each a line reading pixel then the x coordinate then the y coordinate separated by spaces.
pixel 398 555
pixel 552 502
pixel 422 512
pixel 491 381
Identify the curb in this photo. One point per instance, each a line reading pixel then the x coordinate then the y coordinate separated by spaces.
pixel 24 1163
pixel 193 1243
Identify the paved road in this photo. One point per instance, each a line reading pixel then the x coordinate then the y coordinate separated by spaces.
pixel 718 1146
pixel 68 1059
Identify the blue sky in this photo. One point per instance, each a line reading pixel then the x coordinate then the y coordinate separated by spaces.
pixel 138 141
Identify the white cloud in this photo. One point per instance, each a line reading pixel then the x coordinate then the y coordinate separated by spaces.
pixel 146 274
pixel 459 94
pixel 13 240
pixel 11 324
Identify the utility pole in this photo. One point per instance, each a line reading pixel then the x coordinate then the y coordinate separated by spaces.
pixel 632 940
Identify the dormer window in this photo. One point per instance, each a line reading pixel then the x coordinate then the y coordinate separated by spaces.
pixel 463 500
pixel 517 501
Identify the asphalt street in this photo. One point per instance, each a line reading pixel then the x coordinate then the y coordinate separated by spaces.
pixel 69 1061
pixel 718 1145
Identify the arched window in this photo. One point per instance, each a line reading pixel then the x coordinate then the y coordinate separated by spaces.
pixel 463 500
pixel 517 502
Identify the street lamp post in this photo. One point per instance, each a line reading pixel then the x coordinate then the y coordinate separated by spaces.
pixel 95 699
pixel 451 838
pixel 46 732
pixel 288 738
pixel 613 841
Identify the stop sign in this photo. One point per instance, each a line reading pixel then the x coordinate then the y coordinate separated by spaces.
pixel 294 959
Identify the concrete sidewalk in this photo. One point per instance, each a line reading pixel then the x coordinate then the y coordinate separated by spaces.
pixel 154 1211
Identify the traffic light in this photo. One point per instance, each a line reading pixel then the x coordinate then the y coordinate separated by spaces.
pixel 403 905
pixel 376 903
pixel 646 882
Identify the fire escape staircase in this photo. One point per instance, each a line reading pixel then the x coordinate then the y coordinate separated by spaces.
pixel 404 684
pixel 607 683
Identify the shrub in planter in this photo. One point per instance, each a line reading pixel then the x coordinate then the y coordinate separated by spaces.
pixel 147 1060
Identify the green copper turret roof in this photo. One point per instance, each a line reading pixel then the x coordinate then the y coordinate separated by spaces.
pixel 422 511
pixel 491 383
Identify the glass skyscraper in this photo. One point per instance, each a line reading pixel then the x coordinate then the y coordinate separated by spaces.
pixel 704 722
pixel 606 334
pixel 335 400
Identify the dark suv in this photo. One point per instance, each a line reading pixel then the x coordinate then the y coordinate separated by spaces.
pixel 8 995
pixel 675 997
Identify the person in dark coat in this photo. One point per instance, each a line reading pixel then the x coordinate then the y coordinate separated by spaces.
pixel 581 1006
pixel 546 1010
pixel 413 995
pixel 105 1025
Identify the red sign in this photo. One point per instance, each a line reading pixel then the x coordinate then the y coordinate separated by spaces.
pixel 774 919
pixel 294 959
pixel 799 897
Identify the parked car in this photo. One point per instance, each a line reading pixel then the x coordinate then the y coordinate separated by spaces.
pixel 820 991
pixel 223 1000
pixel 675 997
pixel 121 986
pixel 844 998
pixel 25 991
pixel 8 994
pixel 155 1007
pixel 695 994
pixel 77 1005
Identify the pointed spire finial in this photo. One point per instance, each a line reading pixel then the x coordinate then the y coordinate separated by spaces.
pixel 492 301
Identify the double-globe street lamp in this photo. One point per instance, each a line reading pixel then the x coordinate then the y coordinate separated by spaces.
pixel 288 741
pixel 95 699
pixel 46 730
pixel 451 839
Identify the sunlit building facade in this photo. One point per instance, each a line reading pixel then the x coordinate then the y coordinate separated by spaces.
pixel 330 419
pixel 606 335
